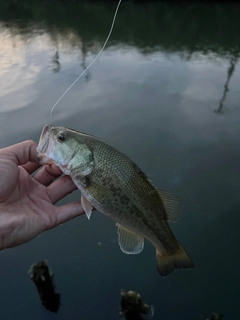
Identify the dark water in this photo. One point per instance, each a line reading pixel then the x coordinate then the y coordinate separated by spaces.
pixel 166 91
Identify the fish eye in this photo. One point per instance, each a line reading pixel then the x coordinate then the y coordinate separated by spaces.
pixel 61 137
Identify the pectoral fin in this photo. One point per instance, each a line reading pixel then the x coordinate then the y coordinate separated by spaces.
pixel 87 207
pixel 129 242
pixel 172 205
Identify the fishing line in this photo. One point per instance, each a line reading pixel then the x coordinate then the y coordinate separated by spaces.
pixel 103 47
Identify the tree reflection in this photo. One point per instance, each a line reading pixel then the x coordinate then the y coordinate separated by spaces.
pixel 231 70
pixel 56 63
pixel 188 29
pixel 83 63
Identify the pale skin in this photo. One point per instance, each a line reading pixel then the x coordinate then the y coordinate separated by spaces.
pixel 28 198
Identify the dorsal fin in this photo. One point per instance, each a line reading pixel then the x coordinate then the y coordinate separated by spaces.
pixel 172 205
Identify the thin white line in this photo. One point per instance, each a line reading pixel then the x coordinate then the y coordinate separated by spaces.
pixel 106 41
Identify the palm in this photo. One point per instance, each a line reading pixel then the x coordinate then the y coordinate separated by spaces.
pixel 29 201
pixel 31 206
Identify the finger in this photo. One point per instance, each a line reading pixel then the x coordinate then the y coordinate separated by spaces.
pixel 47 174
pixel 60 188
pixel 20 153
pixel 68 211
pixel 30 167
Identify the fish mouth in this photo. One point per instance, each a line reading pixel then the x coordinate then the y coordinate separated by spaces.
pixel 43 144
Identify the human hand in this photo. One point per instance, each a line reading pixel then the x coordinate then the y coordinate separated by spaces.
pixel 27 201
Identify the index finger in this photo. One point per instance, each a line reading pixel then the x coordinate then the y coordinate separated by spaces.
pixel 20 153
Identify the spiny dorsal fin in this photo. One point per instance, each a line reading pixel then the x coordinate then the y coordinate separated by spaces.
pixel 129 242
pixel 172 205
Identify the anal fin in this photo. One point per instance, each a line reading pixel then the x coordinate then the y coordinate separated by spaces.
pixel 129 242
pixel 87 207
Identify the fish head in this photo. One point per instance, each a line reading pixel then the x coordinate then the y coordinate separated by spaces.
pixel 63 147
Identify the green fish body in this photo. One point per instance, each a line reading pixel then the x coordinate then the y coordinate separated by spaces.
pixel 113 184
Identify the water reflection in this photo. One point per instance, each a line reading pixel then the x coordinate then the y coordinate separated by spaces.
pixel 169 27
pixel 231 70
pixel 56 63
pixel 84 63
pixel 30 32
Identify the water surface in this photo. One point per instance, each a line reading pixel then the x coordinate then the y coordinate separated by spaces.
pixel 165 92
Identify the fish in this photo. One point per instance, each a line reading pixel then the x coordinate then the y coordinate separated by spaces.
pixel 112 183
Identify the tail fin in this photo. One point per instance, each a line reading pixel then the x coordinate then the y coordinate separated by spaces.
pixel 166 264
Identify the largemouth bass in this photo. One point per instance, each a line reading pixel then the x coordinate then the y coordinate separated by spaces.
pixel 113 184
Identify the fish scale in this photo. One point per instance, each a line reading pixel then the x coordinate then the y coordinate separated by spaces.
pixel 129 175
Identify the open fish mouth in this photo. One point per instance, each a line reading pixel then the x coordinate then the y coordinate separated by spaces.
pixel 44 146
